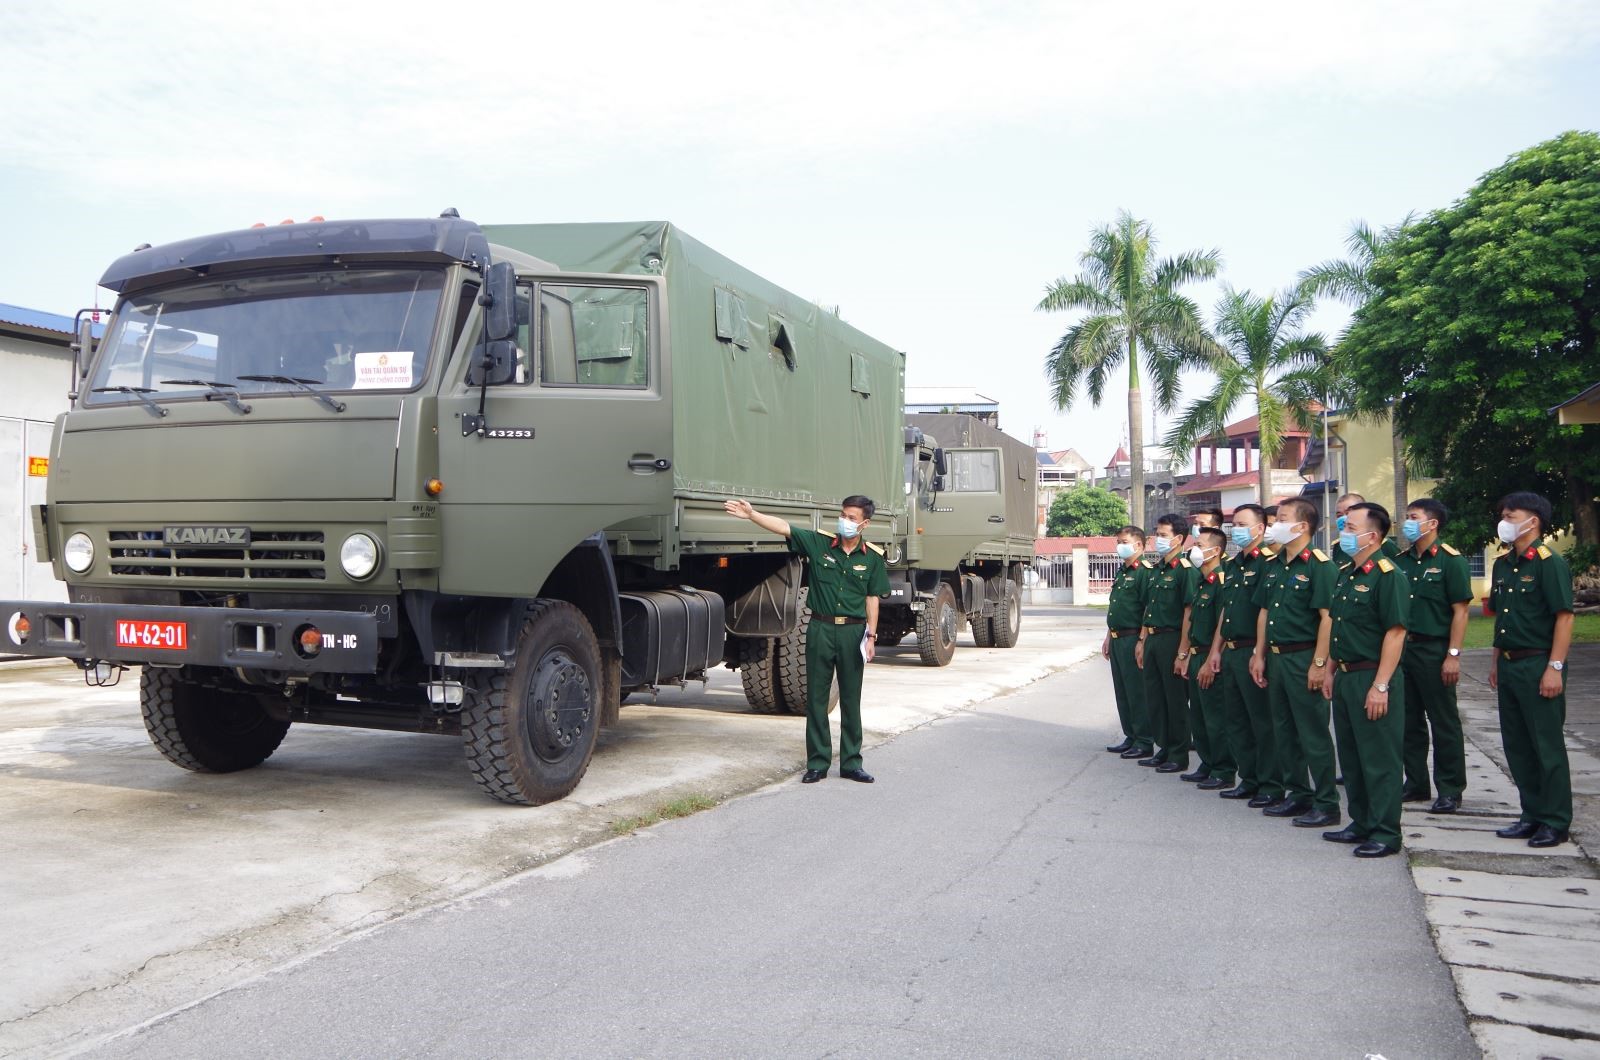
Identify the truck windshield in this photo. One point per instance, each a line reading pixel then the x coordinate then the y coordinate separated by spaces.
pixel 330 329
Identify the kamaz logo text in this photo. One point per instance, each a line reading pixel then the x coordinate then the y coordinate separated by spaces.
pixel 207 536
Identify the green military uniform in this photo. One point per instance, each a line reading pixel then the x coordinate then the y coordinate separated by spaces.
pixel 840 583
pixel 1370 600
pixel 1438 578
pixel 1293 591
pixel 1206 721
pixel 1528 589
pixel 1130 590
pixel 1166 695
pixel 1244 703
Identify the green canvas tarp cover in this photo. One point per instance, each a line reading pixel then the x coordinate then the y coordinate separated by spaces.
pixel 772 396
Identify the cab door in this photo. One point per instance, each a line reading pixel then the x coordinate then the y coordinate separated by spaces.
pixel 579 442
pixel 966 510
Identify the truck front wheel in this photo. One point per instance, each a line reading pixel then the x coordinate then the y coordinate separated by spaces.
pixel 205 729
pixel 530 732
pixel 938 624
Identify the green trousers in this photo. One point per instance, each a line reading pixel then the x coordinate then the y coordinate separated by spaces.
pixel 1370 754
pixel 1128 683
pixel 833 649
pixel 1300 732
pixel 1432 706
pixel 1207 722
pixel 1248 720
pixel 1166 696
pixel 1536 749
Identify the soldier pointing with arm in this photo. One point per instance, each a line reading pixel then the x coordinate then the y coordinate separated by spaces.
pixel 847 576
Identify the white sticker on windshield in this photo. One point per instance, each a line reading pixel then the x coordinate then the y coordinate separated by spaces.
pixel 386 369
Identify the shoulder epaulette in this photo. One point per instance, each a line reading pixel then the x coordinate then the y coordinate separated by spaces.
pixel 1450 549
pixel 1184 562
pixel 1544 553
pixel 1384 565
pixel 1268 553
pixel 1323 556
pixel 875 547
pixel 1148 564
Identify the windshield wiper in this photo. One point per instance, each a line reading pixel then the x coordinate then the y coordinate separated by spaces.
pixel 221 392
pixel 303 384
pixel 138 392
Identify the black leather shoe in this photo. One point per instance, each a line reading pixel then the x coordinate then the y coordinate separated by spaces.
pixel 1239 792
pixel 1547 837
pixel 1413 796
pixel 1520 830
pixel 1118 748
pixel 1369 849
pixel 1347 834
pixel 1196 777
pixel 1287 808
pixel 811 776
pixel 1258 801
pixel 1151 760
pixel 1339 780
pixel 1445 804
pixel 1213 783
pixel 1168 767
pixel 860 776
pixel 1317 819
pixel 1136 752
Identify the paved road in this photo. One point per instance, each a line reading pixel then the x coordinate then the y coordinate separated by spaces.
pixel 1006 888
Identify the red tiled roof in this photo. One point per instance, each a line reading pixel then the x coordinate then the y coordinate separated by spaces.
pixel 1250 426
pixel 1121 457
pixel 1061 546
pixel 1211 483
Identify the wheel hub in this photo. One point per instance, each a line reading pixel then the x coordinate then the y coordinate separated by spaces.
pixel 560 705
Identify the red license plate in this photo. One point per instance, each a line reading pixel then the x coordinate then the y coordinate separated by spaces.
pixel 173 636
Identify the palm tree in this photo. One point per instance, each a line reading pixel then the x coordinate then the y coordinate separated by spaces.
pixel 1135 314
pixel 1267 359
pixel 1350 281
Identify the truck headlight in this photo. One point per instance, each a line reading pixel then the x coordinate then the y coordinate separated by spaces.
pixel 358 556
pixel 78 552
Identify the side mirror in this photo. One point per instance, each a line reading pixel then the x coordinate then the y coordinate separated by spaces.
pixel 500 299
pixel 82 351
pixel 493 364
pixel 939 463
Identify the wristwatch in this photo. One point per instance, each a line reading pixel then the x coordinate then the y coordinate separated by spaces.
pixel 1557 665
pixel 1183 655
pixel 871 635
pixel 1381 687
pixel 1454 653
pixel 1317 663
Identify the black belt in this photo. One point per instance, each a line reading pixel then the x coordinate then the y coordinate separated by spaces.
pixel 1513 654
pixel 1126 632
pixel 1424 638
pixel 1161 629
pixel 837 620
pixel 1288 649
pixel 1239 642
pixel 1364 664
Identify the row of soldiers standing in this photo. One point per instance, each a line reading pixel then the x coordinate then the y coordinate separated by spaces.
pixel 1238 659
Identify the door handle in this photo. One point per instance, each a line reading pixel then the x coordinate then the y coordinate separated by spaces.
pixel 997 518
pixel 650 463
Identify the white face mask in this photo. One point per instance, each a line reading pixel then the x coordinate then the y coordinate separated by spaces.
pixel 1509 531
pixel 1197 556
pixel 1281 533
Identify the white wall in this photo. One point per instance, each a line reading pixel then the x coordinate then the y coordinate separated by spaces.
pixel 33 392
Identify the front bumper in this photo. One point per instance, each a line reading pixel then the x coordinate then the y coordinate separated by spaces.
pixel 194 636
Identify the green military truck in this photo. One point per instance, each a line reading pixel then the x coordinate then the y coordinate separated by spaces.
pixel 425 476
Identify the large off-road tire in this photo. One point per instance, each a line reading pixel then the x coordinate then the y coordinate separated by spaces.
pixel 206 729
pixel 1007 625
pixel 759 675
pixel 938 625
pixel 982 630
pixel 529 732
pixel 790 660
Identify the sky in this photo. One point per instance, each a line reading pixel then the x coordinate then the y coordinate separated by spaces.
pixel 928 167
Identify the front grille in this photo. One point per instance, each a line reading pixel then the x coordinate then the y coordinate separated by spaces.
pixel 273 555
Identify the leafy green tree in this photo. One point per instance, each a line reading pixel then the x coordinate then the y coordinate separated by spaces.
pixel 1484 316
pixel 1350 281
pixel 1268 359
pixel 1135 317
pixel 1085 511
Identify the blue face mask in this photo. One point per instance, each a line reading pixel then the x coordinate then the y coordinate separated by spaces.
pixel 1350 543
pixel 1411 530
pixel 1338 524
pixel 1164 545
pixel 848 528
pixel 1241 537
pixel 1126 551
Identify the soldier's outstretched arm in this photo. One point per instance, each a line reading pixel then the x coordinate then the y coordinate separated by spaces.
pixel 743 509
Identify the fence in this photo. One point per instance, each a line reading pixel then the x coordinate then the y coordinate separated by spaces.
pixel 1083 577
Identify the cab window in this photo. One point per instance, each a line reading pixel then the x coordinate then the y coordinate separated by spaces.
pixel 593 336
